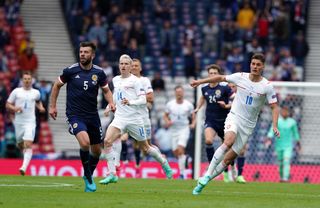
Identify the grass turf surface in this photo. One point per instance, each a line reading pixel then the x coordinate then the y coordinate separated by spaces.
pixel 17 191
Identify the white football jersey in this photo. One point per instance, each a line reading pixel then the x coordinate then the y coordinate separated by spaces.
pixel 179 113
pixel 129 88
pixel 146 84
pixel 26 100
pixel 250 97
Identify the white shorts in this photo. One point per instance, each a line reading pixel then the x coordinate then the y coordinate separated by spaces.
pixel 25 132
pixel 239 127
pixel 147 127
pixel 179 137
pixel 134 127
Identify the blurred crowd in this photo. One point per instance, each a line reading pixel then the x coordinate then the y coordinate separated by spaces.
pixel 179 37
pixel 16 56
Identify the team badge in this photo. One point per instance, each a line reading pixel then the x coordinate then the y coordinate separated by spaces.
pixel 218 93
pixel 75 125
pixel 94 79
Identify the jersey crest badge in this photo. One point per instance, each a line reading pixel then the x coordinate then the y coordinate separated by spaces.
pixel 94 79
pixel 75 125
pixel 218 93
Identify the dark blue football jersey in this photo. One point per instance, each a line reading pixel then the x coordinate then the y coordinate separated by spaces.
pixel 82 89
pixel 221 92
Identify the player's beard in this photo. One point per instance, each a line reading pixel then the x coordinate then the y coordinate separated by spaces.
pixel 85 62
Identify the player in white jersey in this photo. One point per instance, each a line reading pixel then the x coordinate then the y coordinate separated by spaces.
pixel 252 92
pixel 146 84
pixel 129 97
pixel 176 118
pixel 22 102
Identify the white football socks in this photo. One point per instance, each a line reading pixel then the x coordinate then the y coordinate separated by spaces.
pixel 111 160
pixel 117 147
pixel 182 163
pixel 216 159
pixel 27 155
pixel 153 152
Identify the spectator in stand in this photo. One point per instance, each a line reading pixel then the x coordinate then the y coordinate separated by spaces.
pixel 113 14
pixel 252 48
pixel 112 55
pixel 167 39
pixel 281 27
pixel 27 41
pixel 235 57
pixel 133 50
pixel 139 34
pixel 246 16
pixel 162 10
pixel 287 64
pixel 190 60
pixel 28 61
pixel 3 94
pixel 211 33
pixel 12 8
pixel 299 48
pixel 272 57
pixel 157 83
pixel 98 33
pixel 3 62
pixel 299 16
pixel 4 35
pixel 230 36
pixel 263 26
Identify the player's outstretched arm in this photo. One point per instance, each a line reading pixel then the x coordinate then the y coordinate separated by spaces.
pixel 12 108
pixel 40 107
pixel 53 98
pixel 200 104
pixel 108 96
pixel 216 78
pixel 275 116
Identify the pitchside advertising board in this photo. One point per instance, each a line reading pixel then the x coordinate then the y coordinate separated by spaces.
pixel 263 173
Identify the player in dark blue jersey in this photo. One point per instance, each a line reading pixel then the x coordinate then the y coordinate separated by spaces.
pixel 217 97
pixel 83 80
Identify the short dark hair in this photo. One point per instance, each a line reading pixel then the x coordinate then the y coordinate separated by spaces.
pixel 214 66
pixel 26 73
pixel 89 44
pixel 258 56
pixel 177 87
pixel 136 60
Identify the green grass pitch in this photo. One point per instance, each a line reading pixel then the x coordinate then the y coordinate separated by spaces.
pixel 18 191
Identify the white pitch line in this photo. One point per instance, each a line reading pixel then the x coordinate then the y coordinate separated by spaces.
pixel 269 194
pixel 38 185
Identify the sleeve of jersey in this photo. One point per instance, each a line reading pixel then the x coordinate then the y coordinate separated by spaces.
pixel 141 95
pixel 103 82
pixel 233 77
pixel 148 86
pixel 12 97
pixel 271 94
pixel 38 96
pixel 65 76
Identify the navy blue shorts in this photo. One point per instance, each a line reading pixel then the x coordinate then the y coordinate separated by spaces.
pixel 217 126
pixel 91 125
